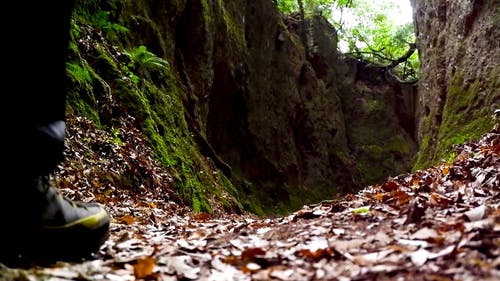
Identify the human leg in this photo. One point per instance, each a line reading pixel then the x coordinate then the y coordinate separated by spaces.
pixel 38 222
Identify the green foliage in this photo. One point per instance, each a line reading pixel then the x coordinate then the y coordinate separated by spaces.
pixel 90 13
pixel 80 75
pixel 361 210
pixel 287 6
pixel 116 136
pixel 314 6
pixel 100 20
pixel 143 85
pixel 366 31
pixel 451 157
pixel 82 98
pixel 145 62
pixel 371 35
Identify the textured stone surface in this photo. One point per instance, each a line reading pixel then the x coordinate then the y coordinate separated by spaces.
pixel 459 48
pixel 293 127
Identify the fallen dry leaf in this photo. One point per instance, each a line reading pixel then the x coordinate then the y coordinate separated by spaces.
pixel 144 267
pixel 441 223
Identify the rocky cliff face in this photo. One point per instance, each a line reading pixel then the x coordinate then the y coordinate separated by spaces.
pixel 459 45
pixel 270 115
pixel 295 127
pixel 286 126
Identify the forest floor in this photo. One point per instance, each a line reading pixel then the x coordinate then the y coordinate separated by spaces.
pixel 439 224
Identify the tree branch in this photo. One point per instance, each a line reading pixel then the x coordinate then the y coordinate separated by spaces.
pixel 393 62
pixel 373 53
pixel 405 57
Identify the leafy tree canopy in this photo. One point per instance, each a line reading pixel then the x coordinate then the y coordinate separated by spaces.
pixel 324 6
pixel 367 31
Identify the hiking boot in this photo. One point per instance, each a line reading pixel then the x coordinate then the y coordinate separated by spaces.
pixel 42 225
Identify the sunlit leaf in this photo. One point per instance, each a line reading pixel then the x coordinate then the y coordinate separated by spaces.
pixel 250 267
pixel 438 199
pixel 419 257
pixel 202 216
pixel 144 267
pixel 476 214
pixel 445 170
pixel 379 196
pixel 128 219
pixel 402 197
pixel 361 210
pixel 317 254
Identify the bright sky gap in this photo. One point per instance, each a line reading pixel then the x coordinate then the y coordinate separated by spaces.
pixel 399 12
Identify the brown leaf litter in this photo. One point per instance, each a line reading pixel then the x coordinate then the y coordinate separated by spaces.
pixel 441 223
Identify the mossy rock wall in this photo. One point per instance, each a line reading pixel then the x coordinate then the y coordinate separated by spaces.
pixel 231 103
pixel 123 64
pixel 459 87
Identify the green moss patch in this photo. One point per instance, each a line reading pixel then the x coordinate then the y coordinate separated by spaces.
pixel 109 80
pixel 467 115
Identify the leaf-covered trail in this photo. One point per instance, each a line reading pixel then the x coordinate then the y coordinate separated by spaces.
pixel 442 223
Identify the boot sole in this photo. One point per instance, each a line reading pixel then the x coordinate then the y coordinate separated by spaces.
pixel 47 246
